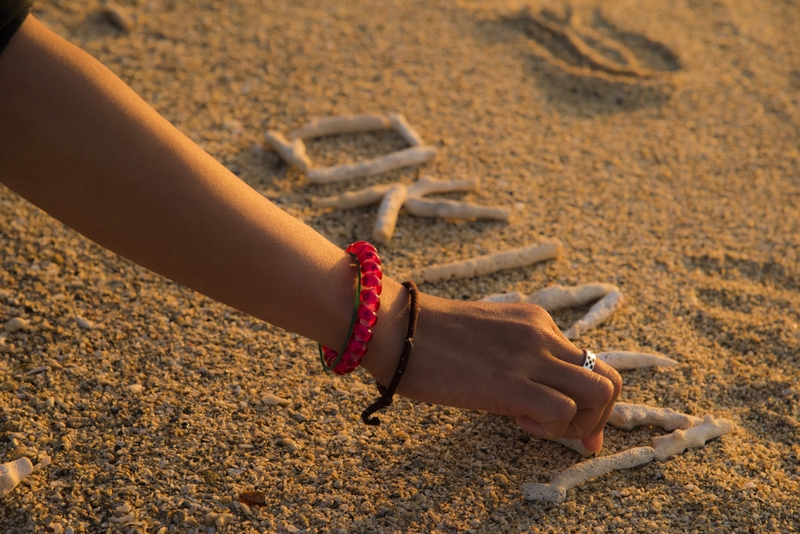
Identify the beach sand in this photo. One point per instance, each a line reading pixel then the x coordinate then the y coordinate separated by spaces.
pixel 683 189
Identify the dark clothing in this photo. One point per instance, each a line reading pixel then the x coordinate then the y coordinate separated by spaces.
pixel 12 15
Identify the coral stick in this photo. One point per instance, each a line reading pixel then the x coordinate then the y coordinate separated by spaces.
pixel 556 490
pixel 356 199
pixel 340 125
pixel 489 263
pixel 293 152
pixel 402 158
pixel 450 209
pixel 388 211
pixel 596 314
pixel 559 297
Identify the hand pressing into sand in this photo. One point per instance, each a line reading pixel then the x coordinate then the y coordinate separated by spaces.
pixel 508 359
pixel 81 145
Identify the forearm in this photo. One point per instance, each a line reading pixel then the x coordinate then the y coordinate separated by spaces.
pixel 80 144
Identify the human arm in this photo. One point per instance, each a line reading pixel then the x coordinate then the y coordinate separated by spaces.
pixel 80 144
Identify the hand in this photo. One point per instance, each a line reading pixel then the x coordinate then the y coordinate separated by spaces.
pixel 509 359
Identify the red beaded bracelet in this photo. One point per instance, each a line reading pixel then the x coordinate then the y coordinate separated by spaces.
pixel 364 314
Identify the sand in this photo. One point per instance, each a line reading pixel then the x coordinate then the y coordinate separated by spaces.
pixel 685 193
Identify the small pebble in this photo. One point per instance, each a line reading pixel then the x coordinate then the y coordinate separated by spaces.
pixel 119 17
pixel 749 485
pixel 44 461
pixel 274 400
pixel 209 476
pixel 223 520
pixel 15 324
pixel 83 323
pixel 289 444
pixel 233 126
pixel 124 519
pixel 9 385
pixel 136 388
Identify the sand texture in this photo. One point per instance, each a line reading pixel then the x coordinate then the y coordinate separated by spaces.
pixel 669 169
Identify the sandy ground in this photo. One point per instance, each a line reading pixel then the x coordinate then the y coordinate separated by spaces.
pixel 684 192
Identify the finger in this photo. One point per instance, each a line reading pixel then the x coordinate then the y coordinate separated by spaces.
pixel 594 442
pixel 598 397
pixel 603 369
pixel 594 439
pixel 591 392
pixel 540 410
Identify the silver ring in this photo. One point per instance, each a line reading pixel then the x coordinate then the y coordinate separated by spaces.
pixel 590 360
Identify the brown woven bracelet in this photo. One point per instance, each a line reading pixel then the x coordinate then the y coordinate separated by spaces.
pixel 387 394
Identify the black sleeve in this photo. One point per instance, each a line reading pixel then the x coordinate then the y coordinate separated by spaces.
pixel 12 15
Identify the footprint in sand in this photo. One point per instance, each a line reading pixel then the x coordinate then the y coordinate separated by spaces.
pixel 748 307
pixel 750 312
pixel 595 49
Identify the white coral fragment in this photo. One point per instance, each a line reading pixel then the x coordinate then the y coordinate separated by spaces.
pixel 575 445
pixel 596 315
pixel 406 131
pixel 507 298
pixel 341 125
pixel 628 416
pixel 273 400
pixel 556 490
pixel 416 205
pixel 451 209
pixel 12 473
pixel 428 186
pixel 695 437
pixel 490 263
pixel 387 213
pixel 402 158
pixel 293 152
pixel 623 360
pixel 356 199
pixel 560 297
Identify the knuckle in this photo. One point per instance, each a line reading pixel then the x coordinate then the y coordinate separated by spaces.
pixel 616 381
pixel 579 429
pixel 565 410
pixel 606 390
pixel 537 317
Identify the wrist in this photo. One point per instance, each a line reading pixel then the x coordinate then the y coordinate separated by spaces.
pixel 389 332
